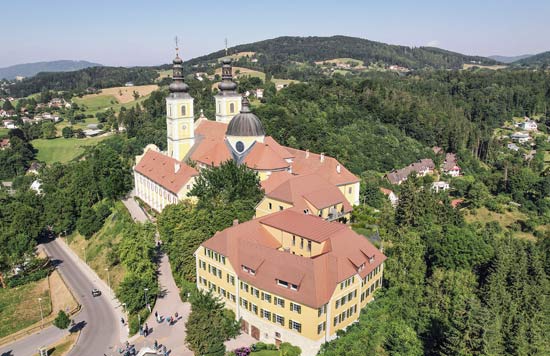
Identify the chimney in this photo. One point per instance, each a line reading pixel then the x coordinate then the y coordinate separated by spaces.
pixel 322 157
pixel 307 153
pixel 338 168
pixel 177 167
pixel 235 222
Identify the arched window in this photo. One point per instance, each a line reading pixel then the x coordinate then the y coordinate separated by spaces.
pixel 183 110
pixel 232 108
pixel 169 110
pixel 219 108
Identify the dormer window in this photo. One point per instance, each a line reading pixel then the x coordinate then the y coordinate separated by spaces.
pixel 282 283
pixel 293 287
pixel 371 259
pixel 361 267
pixel 249 270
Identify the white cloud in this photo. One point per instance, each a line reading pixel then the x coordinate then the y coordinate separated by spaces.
pixel 433 43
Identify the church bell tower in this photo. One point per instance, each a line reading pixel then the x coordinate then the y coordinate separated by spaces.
pixel 179 114
pixel 228 101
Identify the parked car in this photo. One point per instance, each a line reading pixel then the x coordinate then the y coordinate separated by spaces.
pixel 96 292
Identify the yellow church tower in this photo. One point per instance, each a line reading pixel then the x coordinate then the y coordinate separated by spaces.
pixel 228 101
pixel 180 123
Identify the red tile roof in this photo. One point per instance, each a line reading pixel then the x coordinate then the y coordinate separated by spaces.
pixel 307 163
pixel 308 226
pixel 274 180
pixel 160 169
pixel 264 157
pixel 250 244
pixel 312 188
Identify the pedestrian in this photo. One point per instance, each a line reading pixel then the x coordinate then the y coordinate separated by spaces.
pixel 156 344
pixel 177 315
pixel 147 328
pixel 122 321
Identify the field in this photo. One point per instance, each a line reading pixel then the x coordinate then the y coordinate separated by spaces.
pixel 240 72
pixel 62 149
pixel 62 347
pixel 164 74
pixel 114 98
pixel 3 132
pixel 357 62
pixel 493 67
pixel 240 55
pixel 283 81
pixel 505 219
pixel 96 250
pixel 265 353
pixel 19 307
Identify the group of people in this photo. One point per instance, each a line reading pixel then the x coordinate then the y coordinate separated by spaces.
pixel 171 320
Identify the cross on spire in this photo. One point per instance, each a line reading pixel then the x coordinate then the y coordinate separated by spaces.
pixel 226 46
pixel 177 45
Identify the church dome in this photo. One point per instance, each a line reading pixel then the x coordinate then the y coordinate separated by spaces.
pixel 245 123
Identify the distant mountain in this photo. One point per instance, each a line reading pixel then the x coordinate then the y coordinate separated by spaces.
pixel 536 60
pixel 509 59
pixel 285 50
pixel 31 69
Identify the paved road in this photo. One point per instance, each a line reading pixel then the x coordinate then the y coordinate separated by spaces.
pixel 100 321
pixel 99 317
pixel 30 344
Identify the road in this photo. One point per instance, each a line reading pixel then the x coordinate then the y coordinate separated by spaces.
pixel 99 318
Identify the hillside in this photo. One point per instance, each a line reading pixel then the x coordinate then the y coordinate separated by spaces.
pixel 510 59
pixel 31 69
pixel 284 50
pixel 536 60
pixel 79 81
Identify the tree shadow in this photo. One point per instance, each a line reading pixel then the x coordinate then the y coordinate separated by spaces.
pixel 8 353
pixel 78 326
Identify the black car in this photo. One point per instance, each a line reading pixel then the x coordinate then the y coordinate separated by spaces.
pixel 96 292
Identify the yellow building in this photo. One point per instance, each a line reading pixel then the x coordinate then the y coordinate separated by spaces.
pixel 291 277
pixel 308 193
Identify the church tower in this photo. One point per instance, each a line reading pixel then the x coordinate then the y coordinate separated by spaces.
pixel 179 114
pixel 228 101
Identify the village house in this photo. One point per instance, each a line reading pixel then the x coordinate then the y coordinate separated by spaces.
pixel 4 143
pixel 450 166
pixel 9 124
pixel 513 147
pixel 423 167
pixel 520 137
pixel 528 125
pixel 259 93
pixel 394 200
pixel 440 186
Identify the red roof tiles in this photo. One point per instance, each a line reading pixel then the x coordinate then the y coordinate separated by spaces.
pixel 161 169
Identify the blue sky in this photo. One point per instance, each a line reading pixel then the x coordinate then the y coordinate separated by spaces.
pixel 141 32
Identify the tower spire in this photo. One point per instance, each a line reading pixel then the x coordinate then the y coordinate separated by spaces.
pixel 178 85
pixel 226 46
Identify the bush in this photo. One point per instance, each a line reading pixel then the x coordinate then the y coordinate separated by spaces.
pixel 290 350
pixel 186 288
pixel 62 320
pixel 33 276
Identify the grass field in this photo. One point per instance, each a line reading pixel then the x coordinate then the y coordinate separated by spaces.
pixel 505 219
pixel 240 72
pixel 546 158
pixel 493 67
pixel 114 98
pixel 341 61
pixel 3 132
pixel 62 149
pixel 96 249
pixel 283 81
pixel 164 74
pixel 63 346
pixel 19 307
pixel 266 353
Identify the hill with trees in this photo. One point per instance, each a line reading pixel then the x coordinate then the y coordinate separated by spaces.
pixel 510 59
pixel 79 81
pixel 284 50
pixel 31 69
pixel 541 59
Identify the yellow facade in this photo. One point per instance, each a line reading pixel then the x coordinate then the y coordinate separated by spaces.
pixel 156 196
pixel 180 126
pixel 269 205
pixel 257 306
pixel 351 192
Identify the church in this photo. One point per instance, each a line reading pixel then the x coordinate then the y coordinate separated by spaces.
pixel 294 273
pixel 324 187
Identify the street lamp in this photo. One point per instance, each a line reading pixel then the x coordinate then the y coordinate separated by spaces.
pixel 146 301
pixel 85 257
pixel 41 314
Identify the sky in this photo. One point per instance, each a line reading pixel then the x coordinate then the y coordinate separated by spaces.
pixel 141 32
